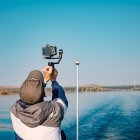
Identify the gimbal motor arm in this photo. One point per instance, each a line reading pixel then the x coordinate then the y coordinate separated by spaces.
pixel 59 59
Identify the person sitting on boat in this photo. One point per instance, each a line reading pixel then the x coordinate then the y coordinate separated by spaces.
pixel 36 119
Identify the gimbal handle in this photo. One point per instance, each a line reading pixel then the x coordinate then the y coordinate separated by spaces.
pixel 51 64
pixel 59 59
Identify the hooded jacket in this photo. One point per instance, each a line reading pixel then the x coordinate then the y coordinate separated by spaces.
pixel 42 120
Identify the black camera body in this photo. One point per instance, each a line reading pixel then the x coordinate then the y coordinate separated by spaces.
pixel 49 51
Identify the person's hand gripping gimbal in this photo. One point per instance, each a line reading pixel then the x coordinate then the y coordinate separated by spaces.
pixel 50 73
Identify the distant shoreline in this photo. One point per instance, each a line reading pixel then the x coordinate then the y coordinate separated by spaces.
pixel 5 90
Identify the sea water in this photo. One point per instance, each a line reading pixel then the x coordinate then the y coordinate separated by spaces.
pixel 102 116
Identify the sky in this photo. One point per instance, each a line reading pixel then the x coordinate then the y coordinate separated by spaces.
pixel 104 35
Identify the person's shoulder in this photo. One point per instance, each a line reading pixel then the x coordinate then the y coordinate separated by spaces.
pixel 59 105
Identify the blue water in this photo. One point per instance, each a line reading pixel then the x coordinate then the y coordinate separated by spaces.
pixel 102 116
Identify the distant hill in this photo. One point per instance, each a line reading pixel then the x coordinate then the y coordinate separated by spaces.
pixel 91 87
pixel 85 88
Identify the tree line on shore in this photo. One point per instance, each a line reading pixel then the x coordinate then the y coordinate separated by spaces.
pixel 88 88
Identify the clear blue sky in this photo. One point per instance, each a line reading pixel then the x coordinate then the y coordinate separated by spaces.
pixel 104 35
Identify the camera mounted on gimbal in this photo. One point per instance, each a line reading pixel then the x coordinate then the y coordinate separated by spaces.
pixel 49 52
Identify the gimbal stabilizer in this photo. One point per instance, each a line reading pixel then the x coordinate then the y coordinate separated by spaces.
pixel 48 53
pixel 59 59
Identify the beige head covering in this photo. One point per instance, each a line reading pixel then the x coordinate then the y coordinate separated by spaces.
pixel 32 89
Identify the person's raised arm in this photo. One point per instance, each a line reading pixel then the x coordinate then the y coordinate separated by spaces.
pixel 57 90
